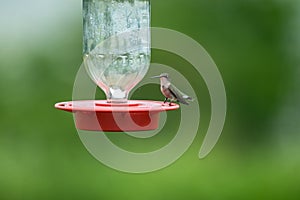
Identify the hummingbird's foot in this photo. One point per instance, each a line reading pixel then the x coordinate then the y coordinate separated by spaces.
pixel 166 99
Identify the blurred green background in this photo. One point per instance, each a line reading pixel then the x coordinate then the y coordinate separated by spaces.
pixel 254 43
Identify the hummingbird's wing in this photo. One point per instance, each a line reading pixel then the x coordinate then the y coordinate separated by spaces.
pixel 180 96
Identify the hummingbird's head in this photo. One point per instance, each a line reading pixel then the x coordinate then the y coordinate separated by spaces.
pixel 163 75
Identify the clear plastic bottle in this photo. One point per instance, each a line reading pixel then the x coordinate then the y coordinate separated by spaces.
pixel 116 44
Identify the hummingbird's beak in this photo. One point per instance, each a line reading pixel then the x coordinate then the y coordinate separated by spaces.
pixel 155 77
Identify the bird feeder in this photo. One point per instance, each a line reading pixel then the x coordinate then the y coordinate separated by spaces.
pixel 116 56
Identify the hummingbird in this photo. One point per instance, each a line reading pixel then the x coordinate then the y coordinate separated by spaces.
pixel 170 91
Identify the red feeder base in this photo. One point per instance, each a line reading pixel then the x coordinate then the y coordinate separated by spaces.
pixel 137 115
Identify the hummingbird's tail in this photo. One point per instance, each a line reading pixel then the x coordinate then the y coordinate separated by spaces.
pixel 188 98
pixel 185 99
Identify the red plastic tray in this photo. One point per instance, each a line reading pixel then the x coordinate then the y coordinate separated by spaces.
pixel 99 115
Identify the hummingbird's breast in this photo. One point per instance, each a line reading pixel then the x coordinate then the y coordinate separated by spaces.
pixel 165 83
pixel 166 92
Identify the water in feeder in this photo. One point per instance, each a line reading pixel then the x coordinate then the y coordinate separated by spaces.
pixel 116 44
